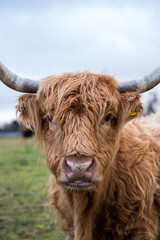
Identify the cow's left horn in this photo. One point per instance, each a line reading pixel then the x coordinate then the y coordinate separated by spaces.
pixel 143 84
pixel 17 83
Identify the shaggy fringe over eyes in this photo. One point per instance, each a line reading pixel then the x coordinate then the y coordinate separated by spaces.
pixel 93 93
pixel 29 115
pixel 78 92
pixel 60 94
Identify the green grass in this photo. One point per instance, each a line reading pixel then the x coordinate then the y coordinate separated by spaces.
pixel 24 214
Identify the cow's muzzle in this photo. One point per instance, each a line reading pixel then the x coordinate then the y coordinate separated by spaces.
pixel 79 171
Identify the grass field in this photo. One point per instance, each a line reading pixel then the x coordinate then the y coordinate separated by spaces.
pixel 23 193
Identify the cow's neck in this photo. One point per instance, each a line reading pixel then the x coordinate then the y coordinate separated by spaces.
pixel 83 215
pixel 86 207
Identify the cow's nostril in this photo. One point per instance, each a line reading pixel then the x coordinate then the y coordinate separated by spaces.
pixel 92 167
pixel 67 167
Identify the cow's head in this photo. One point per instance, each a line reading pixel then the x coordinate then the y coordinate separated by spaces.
pixel 79 117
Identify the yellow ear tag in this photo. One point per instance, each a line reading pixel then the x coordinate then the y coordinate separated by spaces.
pixel 133 114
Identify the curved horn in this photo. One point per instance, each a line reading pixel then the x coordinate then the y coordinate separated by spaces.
pixel 17 83
pixel 143 84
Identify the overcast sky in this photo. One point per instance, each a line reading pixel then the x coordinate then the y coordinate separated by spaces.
pixel 41 38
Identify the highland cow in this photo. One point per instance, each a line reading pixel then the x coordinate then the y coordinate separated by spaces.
pixel 104 163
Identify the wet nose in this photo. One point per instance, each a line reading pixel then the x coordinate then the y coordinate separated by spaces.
pixel 79 167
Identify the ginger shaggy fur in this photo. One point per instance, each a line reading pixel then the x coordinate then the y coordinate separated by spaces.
pixel 69 114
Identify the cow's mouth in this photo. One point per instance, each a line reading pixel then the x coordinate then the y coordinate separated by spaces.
pixel 80 184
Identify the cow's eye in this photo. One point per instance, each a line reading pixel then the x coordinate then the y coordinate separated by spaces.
pixel 50 118
pixel 108 117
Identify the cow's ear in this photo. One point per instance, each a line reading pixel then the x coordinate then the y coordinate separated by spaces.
pixel 130 106
pixel 29 114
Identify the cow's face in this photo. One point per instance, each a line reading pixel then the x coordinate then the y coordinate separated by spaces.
pixel 79 117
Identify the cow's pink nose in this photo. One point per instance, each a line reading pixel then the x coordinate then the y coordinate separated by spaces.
pixel 79 169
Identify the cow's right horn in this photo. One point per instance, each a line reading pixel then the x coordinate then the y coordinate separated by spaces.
pixel 143 84
pixel 17 83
